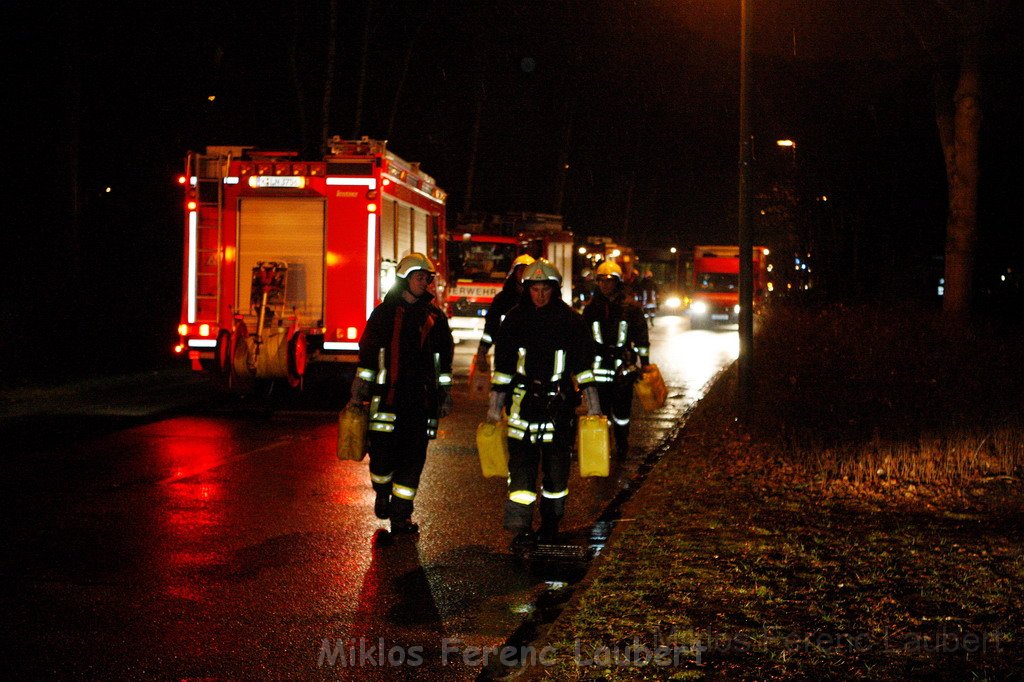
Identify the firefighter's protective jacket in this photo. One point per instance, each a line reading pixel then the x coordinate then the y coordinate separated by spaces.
pixel 504 301
pixel 538 353
pixel 405 354
pixel 619 330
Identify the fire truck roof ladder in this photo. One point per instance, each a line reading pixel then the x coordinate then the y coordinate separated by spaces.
pixel 209 231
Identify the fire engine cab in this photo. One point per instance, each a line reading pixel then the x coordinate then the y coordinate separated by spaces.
pixel 285 258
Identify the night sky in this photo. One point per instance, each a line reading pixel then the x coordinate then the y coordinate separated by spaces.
pixel 636 93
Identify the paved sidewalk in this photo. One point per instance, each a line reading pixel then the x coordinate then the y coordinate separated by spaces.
pixel 131 395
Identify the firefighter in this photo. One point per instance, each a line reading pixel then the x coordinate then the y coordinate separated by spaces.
pixel 405 372
pixel 504 301
pixel 619 329
pixel 540 348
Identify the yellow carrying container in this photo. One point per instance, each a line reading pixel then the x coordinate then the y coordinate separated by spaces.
pixel 352 434
pixel 650 388
pixel 595 447
pixel 492 444
pixel 479 380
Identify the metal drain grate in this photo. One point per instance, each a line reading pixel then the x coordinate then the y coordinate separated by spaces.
pixel 546 552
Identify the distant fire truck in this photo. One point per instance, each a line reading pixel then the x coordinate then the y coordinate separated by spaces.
pixel 285 258
pixel 480 254
pixel 716 284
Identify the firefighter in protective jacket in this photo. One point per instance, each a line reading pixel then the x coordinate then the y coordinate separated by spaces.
pixel 541 347
pixel 405 371
pixel 504 301
pixel 619 329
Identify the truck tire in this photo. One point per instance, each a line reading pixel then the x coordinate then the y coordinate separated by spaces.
pixel 222 358
pixel 296 358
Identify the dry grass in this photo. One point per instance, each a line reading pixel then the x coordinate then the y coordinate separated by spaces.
pixel 864 525
pixel 870 396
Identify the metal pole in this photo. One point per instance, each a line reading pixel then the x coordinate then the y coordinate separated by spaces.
pixel 746 241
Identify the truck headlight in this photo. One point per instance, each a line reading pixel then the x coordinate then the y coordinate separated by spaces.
pixel 699 307
pixel 673 302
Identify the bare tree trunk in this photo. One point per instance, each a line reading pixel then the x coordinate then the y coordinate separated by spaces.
pixel 630 188
pixel 300 97
pixel 325 116
pixel 474 143
pixel 563 160
pixel 361 87
pixel 959 132
pixel 409 52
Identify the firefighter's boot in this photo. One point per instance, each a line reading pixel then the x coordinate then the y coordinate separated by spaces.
pixel 548 531
pixel 518 516
pixel 523 541
pixel 552 509
pixel 382 503
pixel 621 440
pixel 404 526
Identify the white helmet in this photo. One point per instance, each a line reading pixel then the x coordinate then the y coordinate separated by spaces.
pixel 542 270
pixel 414 261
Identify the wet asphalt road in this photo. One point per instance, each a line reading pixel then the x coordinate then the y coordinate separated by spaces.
pixel 226 541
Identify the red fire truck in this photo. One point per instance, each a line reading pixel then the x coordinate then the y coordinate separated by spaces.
pixel 285 258
pixel 716 289
pixel 480 254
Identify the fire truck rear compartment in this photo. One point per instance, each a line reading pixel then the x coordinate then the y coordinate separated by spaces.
pixel 291 231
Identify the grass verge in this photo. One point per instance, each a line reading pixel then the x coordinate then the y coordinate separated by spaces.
pixel 863 523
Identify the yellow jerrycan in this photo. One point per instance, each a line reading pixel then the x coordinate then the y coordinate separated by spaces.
pixel 595 448
pixel 650 388
pixel 492 444
pixel 352 433
pixel 479 379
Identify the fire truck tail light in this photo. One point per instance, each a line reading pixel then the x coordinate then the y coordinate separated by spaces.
pixel 179 348
pixel 182 330
pixel 182 179
pixel 204 330
pixel 351 333
pixel 191 205
pixel 371 208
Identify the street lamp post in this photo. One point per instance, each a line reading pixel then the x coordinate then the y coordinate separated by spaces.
pixel 746 240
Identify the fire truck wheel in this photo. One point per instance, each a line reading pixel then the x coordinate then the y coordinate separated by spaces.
pixel 296 358
pixel 238 370
pixel 222 363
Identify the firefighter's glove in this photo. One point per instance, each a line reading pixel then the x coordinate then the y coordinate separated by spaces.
pixel 444 401
pixel 494 407
pixel 360 391
pixel 593 401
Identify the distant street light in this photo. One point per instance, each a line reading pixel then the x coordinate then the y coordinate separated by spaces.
pixel 675 252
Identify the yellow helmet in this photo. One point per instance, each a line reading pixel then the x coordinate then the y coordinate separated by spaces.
pixel 609 268
pixel 414 261
pixel 542 270
pixel 524 259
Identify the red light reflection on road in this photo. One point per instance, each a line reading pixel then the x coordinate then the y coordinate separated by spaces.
pixel 202 445
pixel 194 507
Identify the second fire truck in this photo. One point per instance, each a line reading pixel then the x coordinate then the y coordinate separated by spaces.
pixel 480 254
